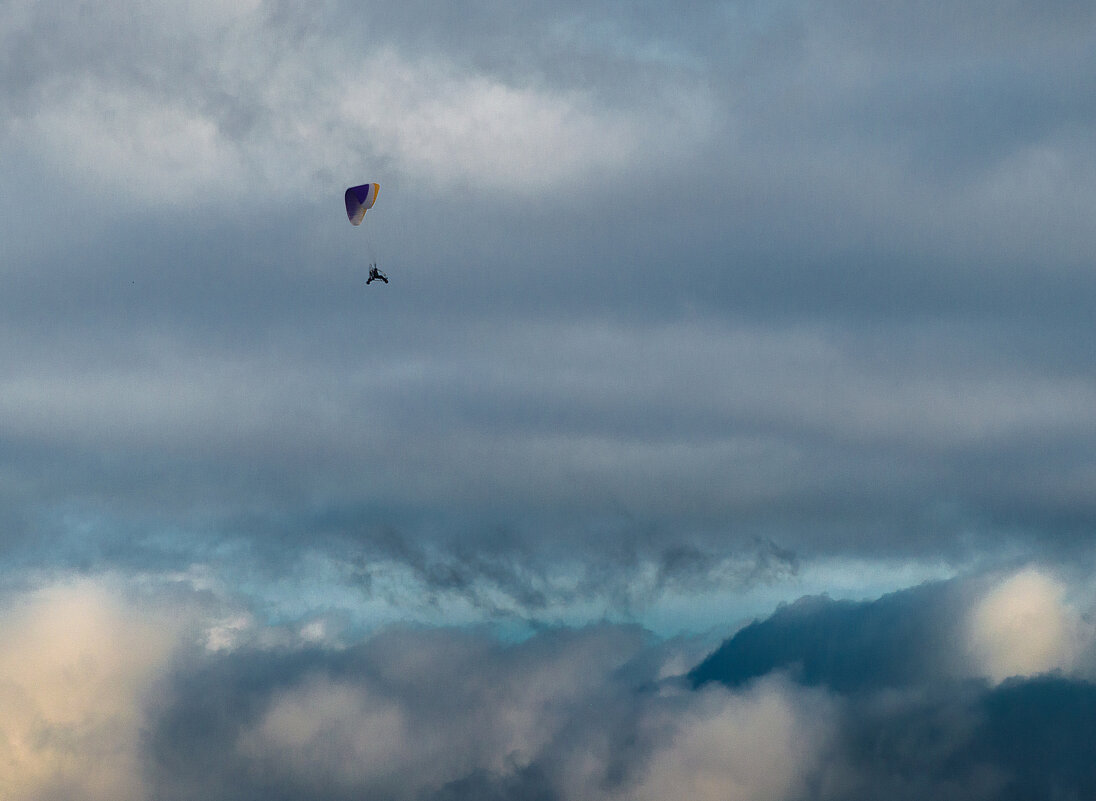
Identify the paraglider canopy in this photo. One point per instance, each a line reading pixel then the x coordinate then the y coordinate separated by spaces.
pixel 359 200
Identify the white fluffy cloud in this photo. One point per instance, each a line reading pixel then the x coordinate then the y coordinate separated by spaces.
pixel 1024 626
pixel 75 667
pixel 430 710
pixel 758 745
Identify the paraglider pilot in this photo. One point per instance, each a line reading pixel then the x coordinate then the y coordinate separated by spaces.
pixel 376 275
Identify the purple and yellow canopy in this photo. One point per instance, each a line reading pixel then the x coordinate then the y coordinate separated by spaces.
pixel 359 200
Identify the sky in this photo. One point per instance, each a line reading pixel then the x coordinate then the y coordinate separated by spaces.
pixel 726 430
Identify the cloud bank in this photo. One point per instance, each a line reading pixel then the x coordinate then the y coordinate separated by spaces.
pixel 812 275
pixel 821 700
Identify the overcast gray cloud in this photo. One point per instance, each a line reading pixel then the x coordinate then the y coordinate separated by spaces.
pixel 814 276
pixel 693 312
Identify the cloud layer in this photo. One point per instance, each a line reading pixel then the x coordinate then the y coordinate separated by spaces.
pixel 821 700
pixel 812 275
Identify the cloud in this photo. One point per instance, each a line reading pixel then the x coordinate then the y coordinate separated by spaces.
pixel 132 145
pixel 339 731
pixel 692 311
pixel 451 715
pixel 761 744
pixel 257 106
pixel 1023 626
pixel 401 715
pixel 76 671
pixel 593 714
pixel 474 130
pixel 710 277
pixel 113 699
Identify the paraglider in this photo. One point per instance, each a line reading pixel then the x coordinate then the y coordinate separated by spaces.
pixel 359 200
